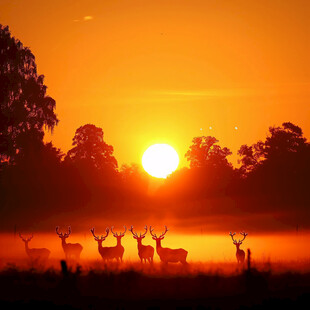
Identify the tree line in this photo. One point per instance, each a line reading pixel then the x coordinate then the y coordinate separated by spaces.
pixel 37 179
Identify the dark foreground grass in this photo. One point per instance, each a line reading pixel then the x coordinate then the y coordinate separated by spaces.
pixel 132 286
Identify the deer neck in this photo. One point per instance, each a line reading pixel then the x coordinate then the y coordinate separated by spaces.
pixel 63 242
pixel 238 248
pixel 27 247
pixel 100 245
pixel 118 242
pixel 158 244
pixel 139 244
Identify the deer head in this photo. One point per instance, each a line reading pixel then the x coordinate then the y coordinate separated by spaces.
pixel 239 242
pixel 26 240
pixel 65 235
pixel 118 236
pixel 135 235
pixel 102 238
pixel 154 236
pixel 161 237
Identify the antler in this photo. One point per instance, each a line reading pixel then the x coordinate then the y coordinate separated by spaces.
pixel 145 227
pixel 69 231
pixel 61 234
pixel 232 236
pixel 122 234
pixel 57 231
pixel 131 229
pixel 244 234
pixel 115 233
pixel 135 234
pixel 27 239
pixel 151 232
pixel 162 234
pixel 102 237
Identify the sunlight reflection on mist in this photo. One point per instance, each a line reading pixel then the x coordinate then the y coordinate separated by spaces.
pixel 201 248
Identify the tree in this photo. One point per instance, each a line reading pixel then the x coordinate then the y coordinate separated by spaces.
pixel 277 171
pixel 25 109
pixel 281 146
pixel 204 152
pixel 90 149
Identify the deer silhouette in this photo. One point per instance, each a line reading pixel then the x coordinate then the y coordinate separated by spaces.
pixel 145 252
pixel 72 250
pixel 118 250
pixel 167 255
pixel 35 253
pixel 240 253
pixel 106 253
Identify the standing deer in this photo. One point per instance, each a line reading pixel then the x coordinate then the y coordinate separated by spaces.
pixel 118 250
pixel 71 249
pixel 35 253
pixel 167 255
pixel 240 253
pixel 106 253
pixel 145 252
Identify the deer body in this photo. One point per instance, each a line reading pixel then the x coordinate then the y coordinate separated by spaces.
pixel 108 253
pixel 72 250
pixel 145 252
pixel 240 255
pixel 118 251
pixel 168 255
pixel 35 253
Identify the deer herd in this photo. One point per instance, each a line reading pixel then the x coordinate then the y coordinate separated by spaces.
pixel 145 252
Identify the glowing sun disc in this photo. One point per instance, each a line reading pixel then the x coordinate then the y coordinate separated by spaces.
pixel 160 160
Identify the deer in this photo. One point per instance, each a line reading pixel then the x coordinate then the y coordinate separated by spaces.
pixel 240 253
pixel 72 250
pixel 145 252
pixel 106 253
pixel 167 255
pixel 35 253
pixel 118 250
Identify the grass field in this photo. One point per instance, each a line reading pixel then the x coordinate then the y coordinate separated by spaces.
pixel 211 285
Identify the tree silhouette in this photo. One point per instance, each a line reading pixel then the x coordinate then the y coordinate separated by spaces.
pixel 281 146
pixel 277 170
pixel 205 152
pixel 25 109
pixel 90 149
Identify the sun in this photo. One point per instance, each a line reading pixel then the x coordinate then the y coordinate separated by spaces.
pixel 160 160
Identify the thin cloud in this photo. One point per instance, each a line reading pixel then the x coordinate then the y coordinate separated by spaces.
pixel 87 18
pixel 84 19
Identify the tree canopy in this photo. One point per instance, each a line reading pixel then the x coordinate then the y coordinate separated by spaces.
pixel 25 108
pixel 205 152
pixel 90 148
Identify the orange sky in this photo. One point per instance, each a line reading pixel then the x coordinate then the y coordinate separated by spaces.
pixel 160 71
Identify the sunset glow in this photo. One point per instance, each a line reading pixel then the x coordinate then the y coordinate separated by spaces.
pixel 154 151
pixel 160 160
